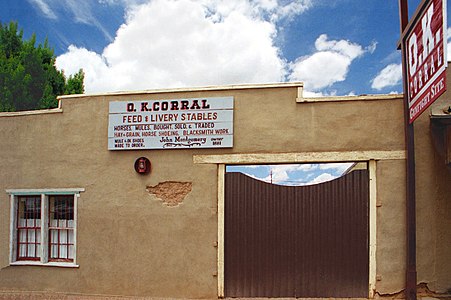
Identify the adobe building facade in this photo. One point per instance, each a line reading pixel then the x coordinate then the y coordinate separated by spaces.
pixel 78 217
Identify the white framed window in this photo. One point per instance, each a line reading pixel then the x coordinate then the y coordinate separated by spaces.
pixel 43 227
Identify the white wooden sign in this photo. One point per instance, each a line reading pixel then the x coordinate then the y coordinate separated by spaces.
pixel 171 124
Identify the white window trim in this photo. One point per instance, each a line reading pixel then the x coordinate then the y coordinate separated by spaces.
pixel 14 193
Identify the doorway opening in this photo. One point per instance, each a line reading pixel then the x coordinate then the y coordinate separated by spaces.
pixel 296 230
pixel 297 174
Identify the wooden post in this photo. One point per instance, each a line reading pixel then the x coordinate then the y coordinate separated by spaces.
pixel 411 272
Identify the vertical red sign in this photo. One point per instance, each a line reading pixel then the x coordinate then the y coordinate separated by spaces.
pixel 426 58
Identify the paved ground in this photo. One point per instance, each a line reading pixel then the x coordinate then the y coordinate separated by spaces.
pixel 57 296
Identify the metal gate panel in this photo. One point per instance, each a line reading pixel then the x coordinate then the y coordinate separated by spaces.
pixel 259 254
pixel 309 241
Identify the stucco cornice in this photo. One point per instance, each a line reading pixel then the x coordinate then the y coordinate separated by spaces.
pixel 31 112
pixel 192 89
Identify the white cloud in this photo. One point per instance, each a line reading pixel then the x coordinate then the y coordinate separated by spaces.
pixel 322 178
pixel 372 47
pixel 45 9
pixel 296 174
pixel 391 75
pixel 330 64
pixel 277 177
pixel 309 94
pixel 342 47
pixel 291 9
pixel 151 50
pixel 338 167
pixel 282 174
pixel 124 3
pixel 212 43
pixel 97 73
pixel 269 10
pixel 81 11
pixel 331 93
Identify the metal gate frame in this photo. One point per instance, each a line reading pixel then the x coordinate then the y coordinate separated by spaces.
pixel 371 157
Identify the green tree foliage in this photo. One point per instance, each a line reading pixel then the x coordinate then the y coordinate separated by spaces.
pixel 75 84
pixel 28 76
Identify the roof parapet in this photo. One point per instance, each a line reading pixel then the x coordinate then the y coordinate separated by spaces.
pixel 191 89
pixel 375 97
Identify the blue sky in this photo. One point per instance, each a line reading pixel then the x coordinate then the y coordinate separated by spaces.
pixel 293 174
pixel 336 47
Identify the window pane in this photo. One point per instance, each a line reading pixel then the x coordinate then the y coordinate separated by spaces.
pixel 63 236
pixel 63 251
pixel 70 237
pixel 61 224
pixel 29 208
pixel 32 236
pixel 31 250
pixel 71 251
pixel 28 227
pixel 22 250
pixel 54 251
pixel 22 236
pixel 62 209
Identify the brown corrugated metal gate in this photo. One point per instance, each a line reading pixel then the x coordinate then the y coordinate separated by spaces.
pixel 307 241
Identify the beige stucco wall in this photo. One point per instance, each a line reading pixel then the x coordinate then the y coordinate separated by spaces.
pixel 391 226
pixel 129 243
pixel 433 194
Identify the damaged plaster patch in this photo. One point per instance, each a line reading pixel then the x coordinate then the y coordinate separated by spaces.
pixel 171 193
pixel 423 293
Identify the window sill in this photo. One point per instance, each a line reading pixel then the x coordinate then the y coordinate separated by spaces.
pixel 49 264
